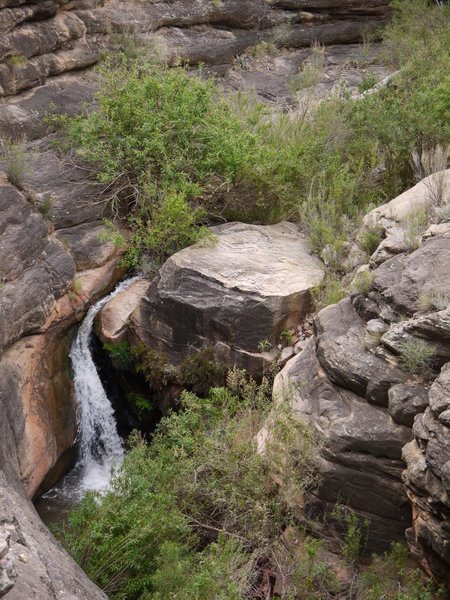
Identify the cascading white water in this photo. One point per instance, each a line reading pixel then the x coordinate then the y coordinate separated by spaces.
pixel 100 446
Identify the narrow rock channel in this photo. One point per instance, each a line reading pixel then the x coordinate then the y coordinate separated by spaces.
pixel 100 446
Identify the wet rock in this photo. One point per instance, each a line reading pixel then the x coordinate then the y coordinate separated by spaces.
pixel 240 291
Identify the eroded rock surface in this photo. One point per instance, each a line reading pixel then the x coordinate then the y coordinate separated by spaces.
pixel 230 294
pixel 42 39
pixel 364 383
pixel 427 480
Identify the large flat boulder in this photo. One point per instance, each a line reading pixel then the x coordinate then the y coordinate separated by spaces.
pixel 238 291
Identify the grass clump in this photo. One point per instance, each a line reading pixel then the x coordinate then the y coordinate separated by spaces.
pixel 362 283
pixel 433 300
pixel 15 156
pixel 416 357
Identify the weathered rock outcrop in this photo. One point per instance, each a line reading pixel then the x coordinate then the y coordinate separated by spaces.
pixel 32 563
pixel 48 278
pixel 42 39
pixel 427 480
pixel 230 294
pixel 352 385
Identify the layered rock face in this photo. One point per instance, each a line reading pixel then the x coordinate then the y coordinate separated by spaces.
pixel 427 480
pixel 52 267
pixel 362 384
pixel 42 39
pixel 232 294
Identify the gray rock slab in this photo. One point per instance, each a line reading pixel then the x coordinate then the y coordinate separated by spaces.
pixel 240 290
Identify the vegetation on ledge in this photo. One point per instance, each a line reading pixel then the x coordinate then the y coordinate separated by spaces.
pixel 174 152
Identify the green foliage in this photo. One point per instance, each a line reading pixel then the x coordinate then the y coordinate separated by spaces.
pixel 45 206
pixel 416 356
pixel 200 371
pixel 190 516
pixel 15 157
pixel 175 150
pixel 111 234
pixel 152 365
pixel 389 578
pixel 415 226
pixel 119 354
pixel 355 534
pixel 159 139
pixel 433 300
pixel 362 283
pixel 328 291
pixel 172 226
pixel 16 60
pixel 367 83
pixel 263 49
pixel 287 337
pixel 370 238
pixel 140 402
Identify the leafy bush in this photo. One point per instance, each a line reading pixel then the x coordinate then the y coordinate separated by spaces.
pixel 416 356
pixel 175 150
pixel 193 515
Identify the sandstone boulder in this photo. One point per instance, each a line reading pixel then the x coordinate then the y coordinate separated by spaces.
pixel 111 323
pixel 236 292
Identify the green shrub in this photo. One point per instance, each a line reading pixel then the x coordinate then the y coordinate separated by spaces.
pixel 416 356
pixel 329 291
pixel 15 157
pixel 162 136
pixel 119 354
pixel 200 371
pixel 152 365
pixel 193 514
pixel 389 577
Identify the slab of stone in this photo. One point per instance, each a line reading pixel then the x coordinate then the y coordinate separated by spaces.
pixel 111 322
pixel 406 401
pixel 241 290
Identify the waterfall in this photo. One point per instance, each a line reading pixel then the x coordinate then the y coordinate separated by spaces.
pixel 100 446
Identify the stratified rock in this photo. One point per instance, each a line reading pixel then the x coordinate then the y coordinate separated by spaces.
pixel 359 462
pixel 239 291
pixel 427 479
pixel 406 401
pixel 342 354
pixel 42 39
